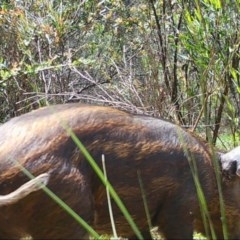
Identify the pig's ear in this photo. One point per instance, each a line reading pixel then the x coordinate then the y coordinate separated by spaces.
pixel 230 162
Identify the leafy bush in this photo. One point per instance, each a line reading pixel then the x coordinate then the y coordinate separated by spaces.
pixel 174 59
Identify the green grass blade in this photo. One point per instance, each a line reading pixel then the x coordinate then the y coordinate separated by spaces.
pixel 102 178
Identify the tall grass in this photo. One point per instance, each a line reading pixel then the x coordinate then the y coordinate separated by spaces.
pixel 206 218
pixel 109 200
pixel 145 201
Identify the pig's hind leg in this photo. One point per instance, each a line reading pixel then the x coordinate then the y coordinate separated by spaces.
pixel 51 221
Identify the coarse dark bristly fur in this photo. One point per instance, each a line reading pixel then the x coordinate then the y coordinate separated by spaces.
pixel 130 143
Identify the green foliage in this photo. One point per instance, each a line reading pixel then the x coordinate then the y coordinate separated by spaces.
pixel 212 44
pixel 174 59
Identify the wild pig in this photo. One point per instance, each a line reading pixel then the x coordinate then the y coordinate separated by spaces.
pixel 161 151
